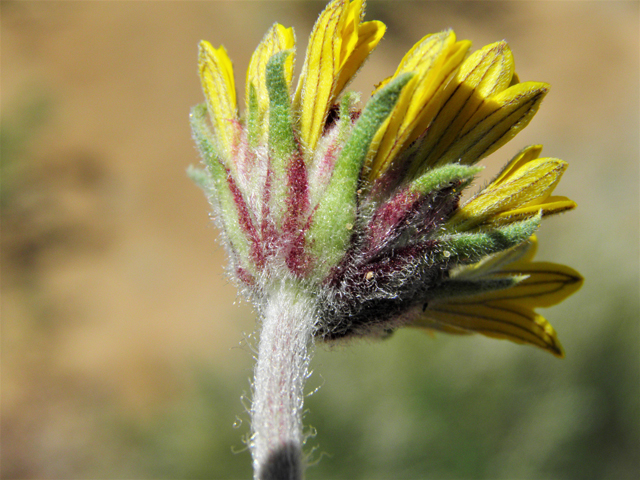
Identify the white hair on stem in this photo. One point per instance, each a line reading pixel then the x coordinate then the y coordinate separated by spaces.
pixel 288 324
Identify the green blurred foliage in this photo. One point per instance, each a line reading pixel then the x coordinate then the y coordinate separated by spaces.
pixel 18 130
pixel 198 437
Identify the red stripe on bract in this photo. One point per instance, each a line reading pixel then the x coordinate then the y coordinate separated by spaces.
pixel 422 213
pixel 297 206
pixel 245 276
pixel 246 161
pixel 323 170
pixel 388 221
pixel 267 225
pixel 246 224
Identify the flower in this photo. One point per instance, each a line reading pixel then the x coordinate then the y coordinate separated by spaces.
pixel 362 207
pixel 342 221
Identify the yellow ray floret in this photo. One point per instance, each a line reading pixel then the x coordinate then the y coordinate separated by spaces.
pixel 338 46
pixel 433 60
pixel 277 39
pixel 369 35
pixel 498 119
pixel 520 191
pixel 547 284
pixel 216 75
pixel 486 72
pixel 498 319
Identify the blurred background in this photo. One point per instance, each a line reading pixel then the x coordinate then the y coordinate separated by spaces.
pixel 126 352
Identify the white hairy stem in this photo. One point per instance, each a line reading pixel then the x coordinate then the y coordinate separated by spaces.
pixel 280 373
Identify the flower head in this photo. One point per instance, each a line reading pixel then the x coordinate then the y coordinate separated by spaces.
pixel 361 207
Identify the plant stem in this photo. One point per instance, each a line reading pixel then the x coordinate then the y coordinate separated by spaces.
pixel 281 370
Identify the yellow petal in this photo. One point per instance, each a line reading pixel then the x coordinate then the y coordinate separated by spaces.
pixel 496 121
pixel 319 72
pixel 551 206
pixel 277 39
pixel 433 59
pixel 369 35
pixel 547 284
pixel 485 73
pixel 489 70
pixel 499 319
pixel 424 58
pixel 519 165
pixel 338 46
pixel 530 185
pixel 522 158
pixel 216 75
pixel 352 18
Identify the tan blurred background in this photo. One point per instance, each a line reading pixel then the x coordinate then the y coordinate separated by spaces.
pixel 125 349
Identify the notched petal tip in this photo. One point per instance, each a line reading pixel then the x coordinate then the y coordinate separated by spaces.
pixel 524 156
pixel 276 39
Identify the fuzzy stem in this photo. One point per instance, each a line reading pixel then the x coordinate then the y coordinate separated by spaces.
pixel 280 373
